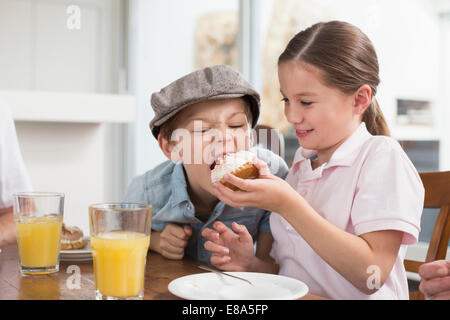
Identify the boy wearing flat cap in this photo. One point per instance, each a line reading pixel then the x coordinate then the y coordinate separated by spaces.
pixel 198 118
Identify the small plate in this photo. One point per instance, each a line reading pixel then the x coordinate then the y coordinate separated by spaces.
pixel 80 255
pixel 213 286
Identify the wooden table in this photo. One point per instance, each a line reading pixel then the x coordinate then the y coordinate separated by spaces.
pixel 159 273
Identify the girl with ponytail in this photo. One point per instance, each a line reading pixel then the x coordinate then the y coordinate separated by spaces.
pixel 352 200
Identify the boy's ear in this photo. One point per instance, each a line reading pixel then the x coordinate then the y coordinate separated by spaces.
pixel 166 147
pixel 362 99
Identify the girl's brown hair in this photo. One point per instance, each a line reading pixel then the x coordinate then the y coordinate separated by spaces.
pixel 347 59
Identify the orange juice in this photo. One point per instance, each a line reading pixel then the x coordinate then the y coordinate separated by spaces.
pixel 38 240
pixel 119 262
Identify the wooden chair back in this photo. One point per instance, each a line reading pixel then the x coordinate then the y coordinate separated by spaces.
pixel 437 195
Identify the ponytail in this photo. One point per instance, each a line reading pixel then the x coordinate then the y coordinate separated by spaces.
pixel 374 120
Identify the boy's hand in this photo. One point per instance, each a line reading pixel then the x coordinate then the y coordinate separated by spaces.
pixel 173 239
pixel 230 251
pixel 268 192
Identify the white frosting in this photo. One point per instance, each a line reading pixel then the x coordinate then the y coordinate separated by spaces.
pixel 230 163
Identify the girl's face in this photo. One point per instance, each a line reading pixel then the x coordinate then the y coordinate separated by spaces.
pixel 323 117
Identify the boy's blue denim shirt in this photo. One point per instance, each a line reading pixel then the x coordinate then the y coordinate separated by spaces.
pixel 165 188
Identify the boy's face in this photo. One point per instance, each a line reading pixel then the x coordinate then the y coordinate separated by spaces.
pixel 206 131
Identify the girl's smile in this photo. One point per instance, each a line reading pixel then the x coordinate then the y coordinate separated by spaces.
pixel 303 133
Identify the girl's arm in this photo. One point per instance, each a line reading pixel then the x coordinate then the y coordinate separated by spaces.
pixel 348 254
pixel 356 258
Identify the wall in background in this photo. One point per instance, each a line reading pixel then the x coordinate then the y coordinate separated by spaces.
pixel 40 53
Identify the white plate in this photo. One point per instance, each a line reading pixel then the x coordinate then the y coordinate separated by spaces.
pixel 84 254
pixel 213 286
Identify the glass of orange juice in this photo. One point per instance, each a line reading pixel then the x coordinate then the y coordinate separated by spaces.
pixel 38 217
pixel 120 237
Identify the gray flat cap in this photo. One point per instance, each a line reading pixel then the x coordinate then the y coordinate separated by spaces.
pixel 216 82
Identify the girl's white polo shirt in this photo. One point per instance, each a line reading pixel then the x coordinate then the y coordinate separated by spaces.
pixel 368 185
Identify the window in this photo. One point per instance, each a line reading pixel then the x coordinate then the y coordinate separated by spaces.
pixel 167 40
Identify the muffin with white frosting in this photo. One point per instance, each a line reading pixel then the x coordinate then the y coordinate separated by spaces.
pixel 239 164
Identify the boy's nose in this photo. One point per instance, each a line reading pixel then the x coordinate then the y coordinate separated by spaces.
pixel 226 140
pixel 224 134
pixel 225 137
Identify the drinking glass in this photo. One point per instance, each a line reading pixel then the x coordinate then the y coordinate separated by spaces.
pixel 120 237
pixel 38 217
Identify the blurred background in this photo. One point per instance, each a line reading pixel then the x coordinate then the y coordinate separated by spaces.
pixel 78 76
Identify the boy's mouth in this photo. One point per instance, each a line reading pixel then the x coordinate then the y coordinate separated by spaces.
pixel 218 160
